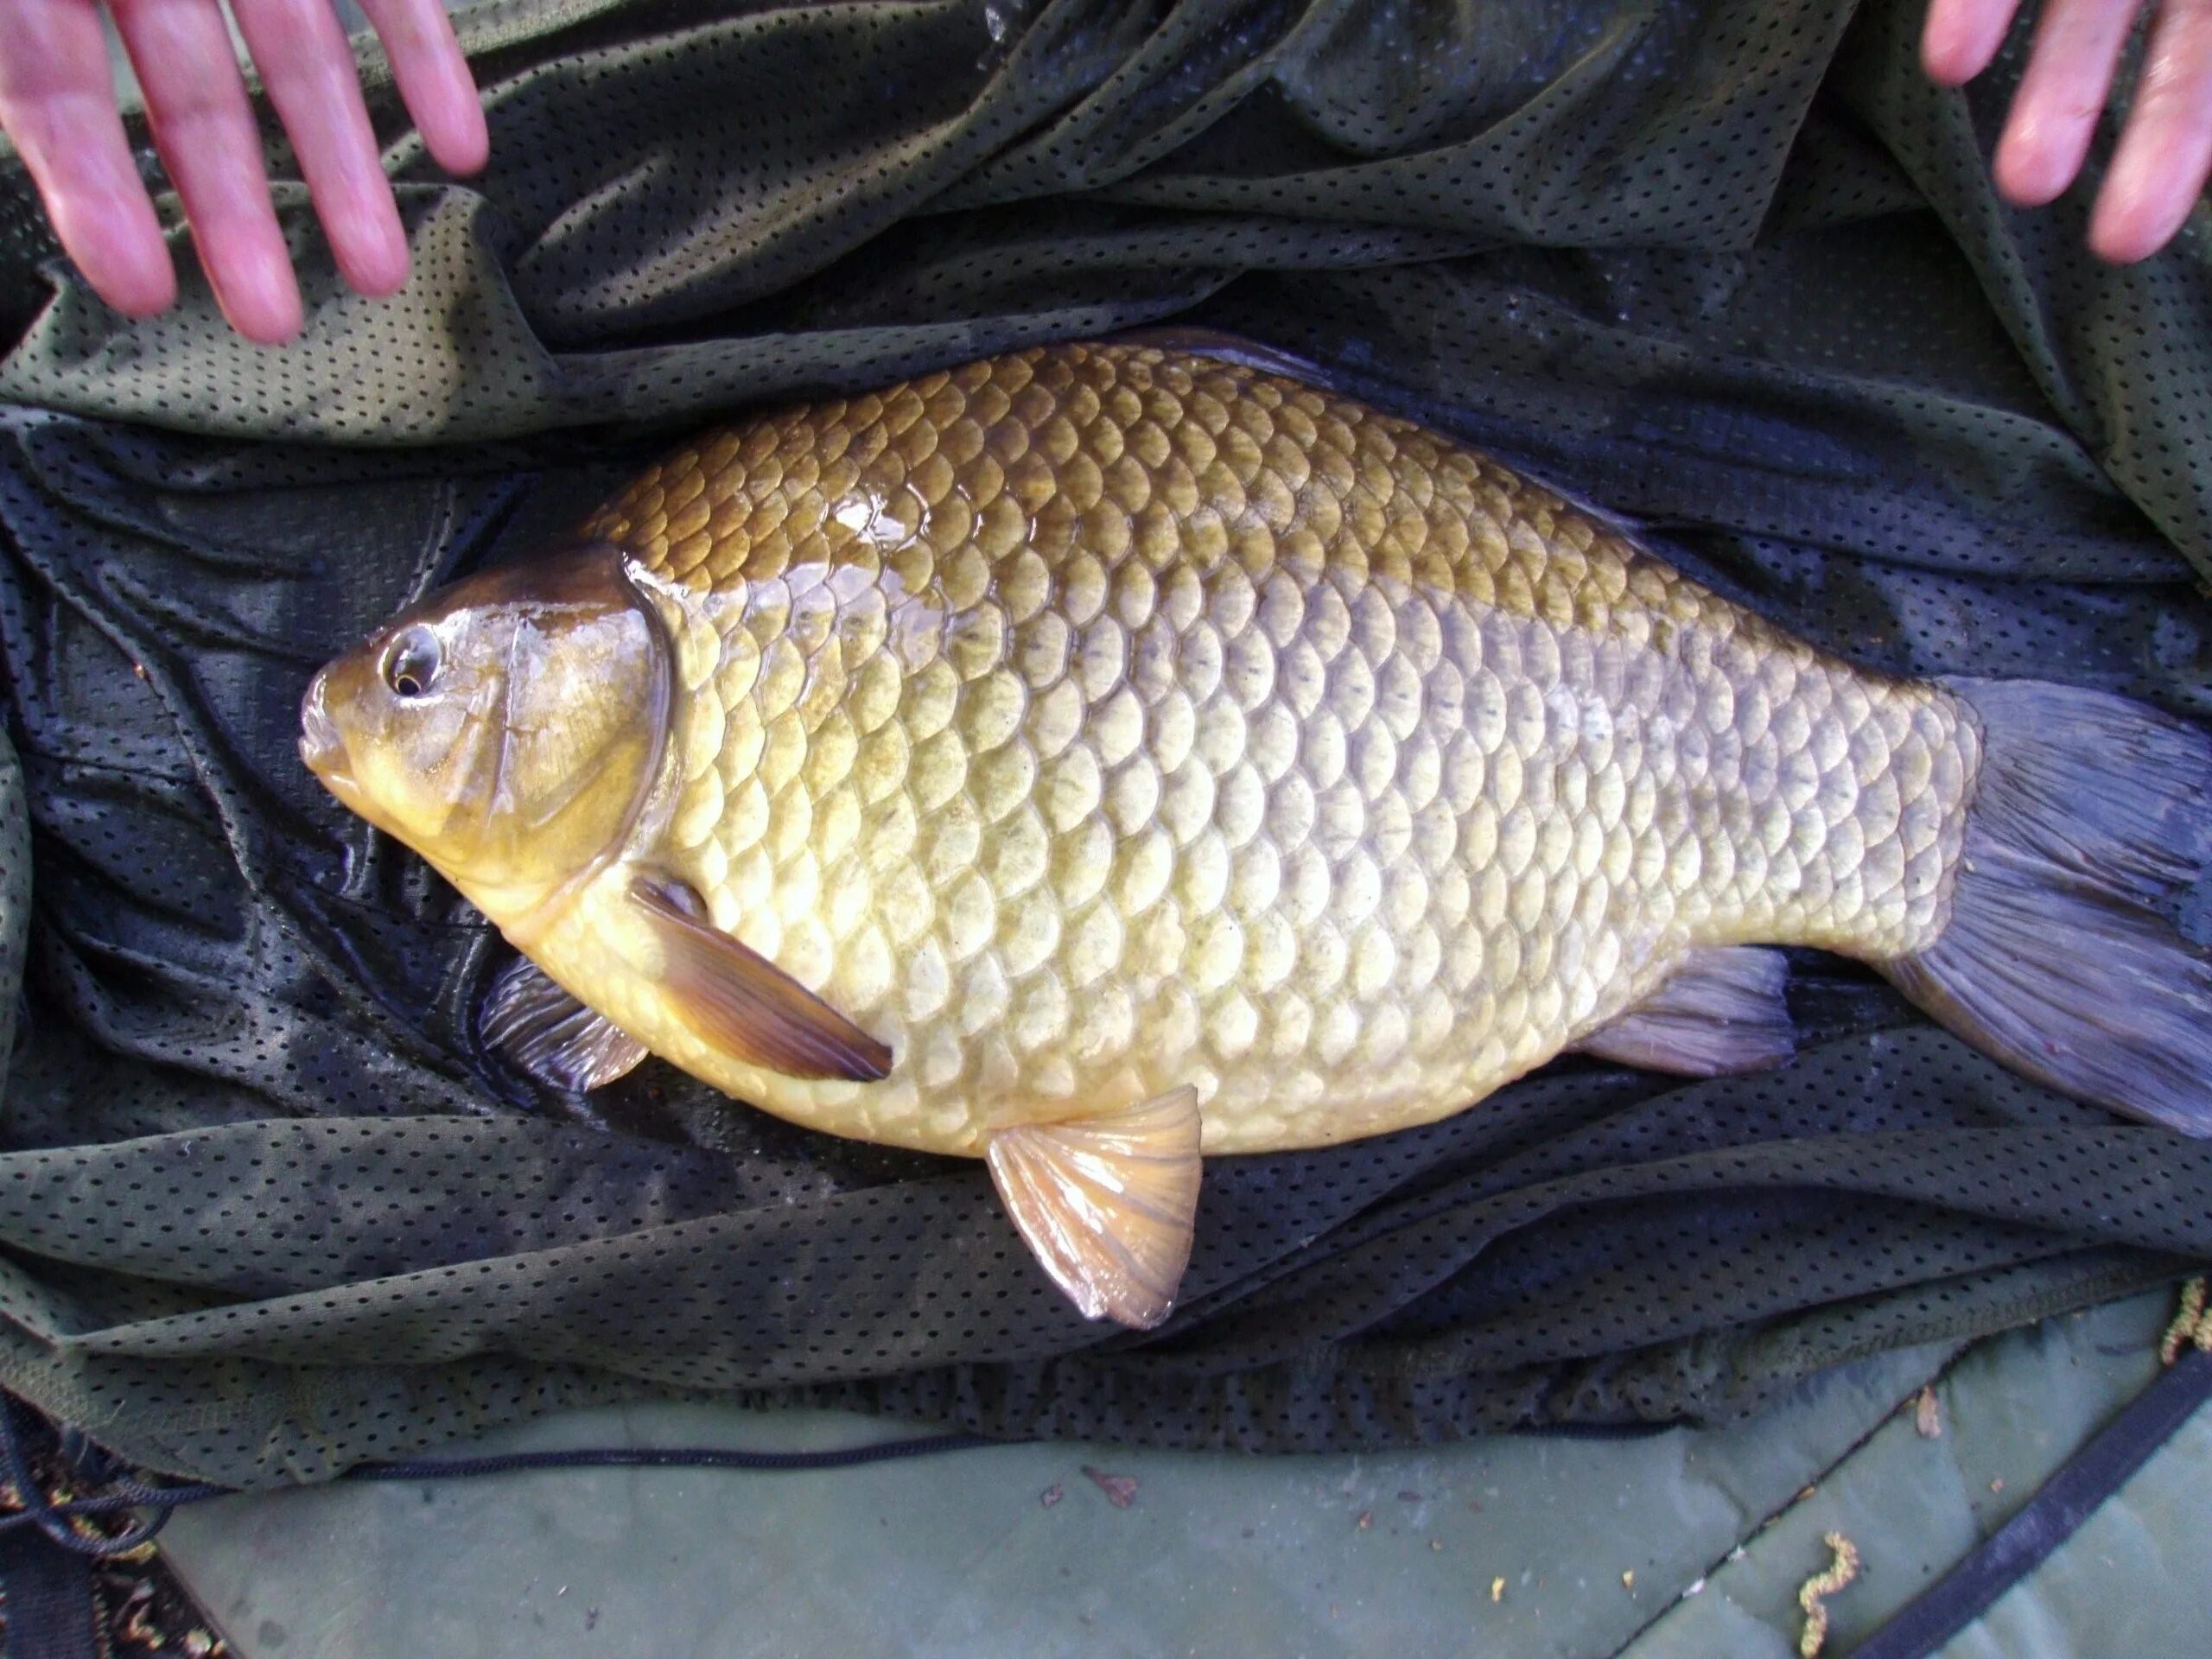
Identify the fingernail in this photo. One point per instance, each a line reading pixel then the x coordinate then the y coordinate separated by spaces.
pixel 462 140
pixel 2122 230
pixel 146 284
pixel 2031 168
pixel 376 262
pixel 268 302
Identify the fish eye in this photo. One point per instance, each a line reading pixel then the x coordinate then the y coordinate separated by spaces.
pixel 412 667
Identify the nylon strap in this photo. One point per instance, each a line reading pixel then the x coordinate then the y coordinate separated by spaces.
pixel 2048 1519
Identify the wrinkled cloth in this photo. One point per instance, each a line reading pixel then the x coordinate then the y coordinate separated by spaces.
pixel 1732 270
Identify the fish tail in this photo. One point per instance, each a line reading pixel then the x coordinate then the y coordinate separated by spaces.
pixel 2075 951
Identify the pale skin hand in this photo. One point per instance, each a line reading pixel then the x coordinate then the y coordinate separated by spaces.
pixel 57 102
pixel 2163 157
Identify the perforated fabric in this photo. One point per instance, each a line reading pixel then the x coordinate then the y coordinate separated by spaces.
pixel 267 1208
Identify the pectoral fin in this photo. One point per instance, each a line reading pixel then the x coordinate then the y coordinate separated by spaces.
pixel 734 997
pixel 1107 1203
pixel 551 1035
pixel 1723 1009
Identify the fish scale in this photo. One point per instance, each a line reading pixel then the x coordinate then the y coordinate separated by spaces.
pixel 1093 757
pixel 1096 720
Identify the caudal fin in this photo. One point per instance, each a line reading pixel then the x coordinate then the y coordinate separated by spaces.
pixel 2064 956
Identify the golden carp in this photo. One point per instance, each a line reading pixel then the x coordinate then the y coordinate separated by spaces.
pixel 1102 755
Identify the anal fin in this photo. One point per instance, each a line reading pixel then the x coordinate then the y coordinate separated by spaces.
pixel 551 1035
pixel 1723 1009
pixel 1107 1203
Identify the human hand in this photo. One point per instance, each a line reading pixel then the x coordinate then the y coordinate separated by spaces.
pixel 57 102
pixel 2164 155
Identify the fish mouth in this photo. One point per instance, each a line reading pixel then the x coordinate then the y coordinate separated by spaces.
pixel 322 745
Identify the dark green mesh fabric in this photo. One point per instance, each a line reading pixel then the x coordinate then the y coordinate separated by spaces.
pixel 266 1209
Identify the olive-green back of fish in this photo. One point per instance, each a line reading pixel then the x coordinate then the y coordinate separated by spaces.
pixel 1088 754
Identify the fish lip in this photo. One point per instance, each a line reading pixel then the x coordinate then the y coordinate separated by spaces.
pixel 322 745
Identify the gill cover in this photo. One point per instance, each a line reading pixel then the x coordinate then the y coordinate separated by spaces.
pixel 510 727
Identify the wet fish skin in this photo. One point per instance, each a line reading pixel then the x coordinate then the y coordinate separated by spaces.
pixel 1096 756
pixel 1086 722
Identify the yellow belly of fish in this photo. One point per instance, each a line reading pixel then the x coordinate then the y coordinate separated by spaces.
pixel 1085 726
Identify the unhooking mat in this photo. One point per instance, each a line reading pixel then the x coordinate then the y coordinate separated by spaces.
pixel 1731 267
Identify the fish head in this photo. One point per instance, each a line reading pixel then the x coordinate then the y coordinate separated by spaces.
pixel 510 728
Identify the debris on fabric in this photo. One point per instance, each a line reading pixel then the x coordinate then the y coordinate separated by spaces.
pixel 2192 1325
pixel 1927 1415
pixel 1120 1489
pixel 1813 1594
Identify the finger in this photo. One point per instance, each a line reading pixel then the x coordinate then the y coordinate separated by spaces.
pixel 196 105
pixel 308 67
pixel 2166 152
pixel 1961 36
pixel 2055 113
pixel 57 102
pixel 434 79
